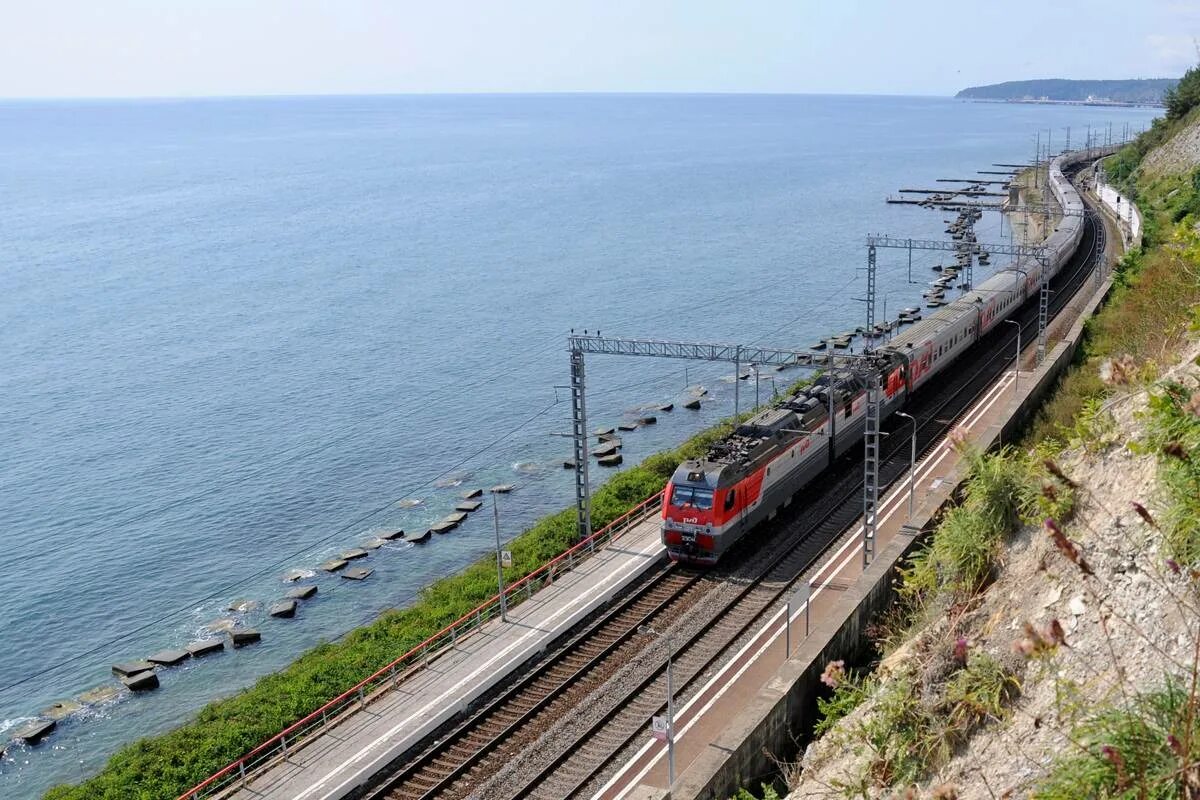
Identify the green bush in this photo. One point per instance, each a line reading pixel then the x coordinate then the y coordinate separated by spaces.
pixel 979 692
pixel 1185 96
pixel 1173 432
pixel 164 766
pixel 847 696
pixel 968 541
pixel 905 736
pixel 1145 751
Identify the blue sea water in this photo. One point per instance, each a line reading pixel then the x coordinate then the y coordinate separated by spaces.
pixel 236 334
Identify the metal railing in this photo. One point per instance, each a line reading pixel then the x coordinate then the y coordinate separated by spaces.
pixel 291 738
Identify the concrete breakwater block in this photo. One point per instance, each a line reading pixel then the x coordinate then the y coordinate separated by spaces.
pixel 357 574
pixel 611 461
pixel 601 432
pixel 648 420
pixel 353 553
pixel 169 658
pixel 606 449
pixel 334 564
pixel 667 407
pixel 60 710
pixel 458 517
pixel 392 536
pixel 141 681
pixel 692 405
pixel 373 543
pixel 301 592
pixel 471 494
pixel 628 426
pixel 221 625
pixel 242 606
pixel 33 732
pixel 609 437
pixel 204 647
pixel 445 526
pixel 245 636
pixel 284 609
pixel 503 488
pixel 101 694
pixel 131 668
pixel 469 505
pixel 422 539
pixel 293 575
pixel 568 465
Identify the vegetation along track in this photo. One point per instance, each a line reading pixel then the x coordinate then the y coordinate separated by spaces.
pixel 765 565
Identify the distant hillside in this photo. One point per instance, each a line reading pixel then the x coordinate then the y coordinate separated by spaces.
pixel 1147 91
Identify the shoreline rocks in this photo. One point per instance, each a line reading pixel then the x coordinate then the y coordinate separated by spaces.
pixel 33 732
pixel 204 647
pixel 169 658
pixel 301 592
pixel 127 668
pixel 141 681
pixel 60 710
pixel 245 636
pixel 284 609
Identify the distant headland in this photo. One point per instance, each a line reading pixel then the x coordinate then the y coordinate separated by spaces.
pixel 1136 92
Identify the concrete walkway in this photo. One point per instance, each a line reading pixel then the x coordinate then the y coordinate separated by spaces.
pixel 332 764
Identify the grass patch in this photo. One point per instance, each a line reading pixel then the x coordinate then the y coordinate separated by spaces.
pixel 849 693
pixel 979 693
pixel 1148 751
pixel 1173 432
pixel 967 544
pixel 164 766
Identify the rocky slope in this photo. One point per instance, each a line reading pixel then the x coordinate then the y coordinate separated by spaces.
pixel 1180 154
pixel 1124 627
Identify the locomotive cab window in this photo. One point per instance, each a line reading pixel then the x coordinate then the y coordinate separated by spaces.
pixel 688 496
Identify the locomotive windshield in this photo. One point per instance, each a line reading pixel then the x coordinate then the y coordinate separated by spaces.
pixel 689 496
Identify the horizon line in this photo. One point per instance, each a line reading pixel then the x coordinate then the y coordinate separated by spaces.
pixel 461 93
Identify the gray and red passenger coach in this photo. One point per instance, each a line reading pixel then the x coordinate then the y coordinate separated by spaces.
pixel 749 475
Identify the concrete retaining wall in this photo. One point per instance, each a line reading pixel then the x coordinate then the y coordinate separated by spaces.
pixel 1127 214
pixel 784 709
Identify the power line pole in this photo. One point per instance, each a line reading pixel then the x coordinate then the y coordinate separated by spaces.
pixel 583 495
pixel 871 468
pixel 1037 160
pixel 871 291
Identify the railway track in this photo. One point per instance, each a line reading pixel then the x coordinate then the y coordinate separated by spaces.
pixel 456 761
pixel 764 567
pixel 625 727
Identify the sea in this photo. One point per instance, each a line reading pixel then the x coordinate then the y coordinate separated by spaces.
pixel 238 336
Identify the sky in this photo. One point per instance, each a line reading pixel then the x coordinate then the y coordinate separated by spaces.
pixel 172 48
